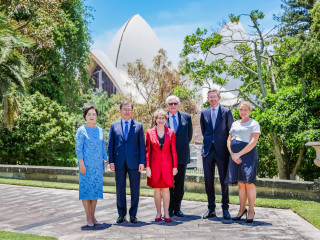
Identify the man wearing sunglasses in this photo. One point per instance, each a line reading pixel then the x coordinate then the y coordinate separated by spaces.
pixel 182 125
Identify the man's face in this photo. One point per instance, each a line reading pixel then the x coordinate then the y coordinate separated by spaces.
pixel 126 112
pixel 173 106
pixel 213 99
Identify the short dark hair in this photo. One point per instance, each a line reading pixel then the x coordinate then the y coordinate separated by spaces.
pixel 214 90
pixel 86 110
pixel 126 103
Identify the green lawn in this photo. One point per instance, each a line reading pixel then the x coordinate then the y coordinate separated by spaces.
pixel 309 210
pixel 20 236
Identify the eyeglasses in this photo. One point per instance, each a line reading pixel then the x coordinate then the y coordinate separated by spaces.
pixel 214 96
pixel 173 103
pixel 126 110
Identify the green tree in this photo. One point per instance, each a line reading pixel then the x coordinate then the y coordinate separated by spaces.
pixel 43 135
pixel 14 70
pixel 61 51
pixel 264 65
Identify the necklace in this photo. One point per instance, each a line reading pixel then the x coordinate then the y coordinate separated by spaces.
pixel 160 132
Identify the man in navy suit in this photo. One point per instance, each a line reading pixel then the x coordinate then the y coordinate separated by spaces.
pixel 215 124
pixel 126 151
pixel 182 125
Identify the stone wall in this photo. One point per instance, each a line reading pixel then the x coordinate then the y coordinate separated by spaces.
pixel 269 188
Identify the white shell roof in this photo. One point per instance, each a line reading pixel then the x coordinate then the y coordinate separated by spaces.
pixel 135 40
pixel 233 34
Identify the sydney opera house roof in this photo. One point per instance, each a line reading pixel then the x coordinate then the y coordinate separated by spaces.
pixel 137 40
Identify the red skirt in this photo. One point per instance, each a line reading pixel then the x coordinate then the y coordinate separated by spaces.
pixel 160 184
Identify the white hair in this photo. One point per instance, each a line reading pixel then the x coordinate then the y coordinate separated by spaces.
pixel 172 97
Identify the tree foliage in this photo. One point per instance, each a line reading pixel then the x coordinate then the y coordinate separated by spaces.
pixel 60 55
pixel 14 70
pixel 43 135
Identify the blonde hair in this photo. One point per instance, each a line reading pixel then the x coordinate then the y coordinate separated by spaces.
pixel 247 104
pixel 160 112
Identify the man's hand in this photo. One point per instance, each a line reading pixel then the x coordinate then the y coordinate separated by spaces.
pixel 141 167
pixel 112 167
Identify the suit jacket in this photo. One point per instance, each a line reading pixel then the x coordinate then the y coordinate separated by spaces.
pixel 183 137
pixel 161 161
pixel 132 151
pixel 218 136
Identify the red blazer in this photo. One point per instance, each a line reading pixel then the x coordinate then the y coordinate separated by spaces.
pixel 161 161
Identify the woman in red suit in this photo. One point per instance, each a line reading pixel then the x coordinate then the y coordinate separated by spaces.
pixel 161 157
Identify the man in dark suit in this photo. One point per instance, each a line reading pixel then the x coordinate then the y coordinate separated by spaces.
pixel 215 124
pixel 182 125
pixel 126 151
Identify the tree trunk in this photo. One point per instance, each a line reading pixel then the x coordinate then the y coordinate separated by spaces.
pixel 281 161
pixel 298 163
pixel 274 85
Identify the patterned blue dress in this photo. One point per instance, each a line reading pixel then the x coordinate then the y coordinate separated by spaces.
pixel 91 147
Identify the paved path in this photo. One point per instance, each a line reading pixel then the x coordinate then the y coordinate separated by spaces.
pixel 59 213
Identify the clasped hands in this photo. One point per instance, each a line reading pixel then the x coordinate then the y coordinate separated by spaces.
pixel 148 171
pixel 236 158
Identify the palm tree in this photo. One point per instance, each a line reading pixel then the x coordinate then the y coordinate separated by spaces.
pixel 14 70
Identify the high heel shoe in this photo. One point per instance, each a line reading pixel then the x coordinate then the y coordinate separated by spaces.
pixel 167 219
pixel 238 218
pixel 158 219
pixel 250 220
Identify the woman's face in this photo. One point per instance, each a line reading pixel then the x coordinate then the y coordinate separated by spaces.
pixel 161 120
pixel 91 116
pixel 244 111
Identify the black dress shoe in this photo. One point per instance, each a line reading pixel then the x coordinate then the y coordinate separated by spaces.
pixel 209 214
pixel 170 213
pixel 226 214
pixel 121 219
pixel 133 219
pixel 178 213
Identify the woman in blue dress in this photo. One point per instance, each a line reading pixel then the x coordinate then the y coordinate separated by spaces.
pixel 242 168
pixel 91 154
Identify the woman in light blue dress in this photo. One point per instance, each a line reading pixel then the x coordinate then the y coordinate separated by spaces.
pixel 242 168
pixel 91 154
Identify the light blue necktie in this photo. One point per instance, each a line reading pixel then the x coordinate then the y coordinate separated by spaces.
pixel 175 125
pixel 213 118
pixel 126 130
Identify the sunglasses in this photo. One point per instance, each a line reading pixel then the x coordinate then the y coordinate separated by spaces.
pixel 173 103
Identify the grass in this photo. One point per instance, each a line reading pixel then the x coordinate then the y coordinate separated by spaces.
pixel 309 210
pixel 20 236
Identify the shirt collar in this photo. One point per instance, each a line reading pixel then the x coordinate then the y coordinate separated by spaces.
pixel 176 115
pixel 217 108
pixel 129 121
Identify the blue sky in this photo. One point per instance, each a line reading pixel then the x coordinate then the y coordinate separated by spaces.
pixel 172 20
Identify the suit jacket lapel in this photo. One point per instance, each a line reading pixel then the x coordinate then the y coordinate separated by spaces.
pixel 155 135
pixel 168 122
pixel 180 120
pixel 166 137
pixel 208 113
pixel 120 129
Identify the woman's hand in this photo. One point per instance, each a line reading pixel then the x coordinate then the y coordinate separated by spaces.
pixel 148 171
pixel 236 158
pixel 83 169
pixel 175 171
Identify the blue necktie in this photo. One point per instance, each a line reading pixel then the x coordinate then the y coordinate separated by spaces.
pixel 213 118
pixel 175 125
pixel 126 130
